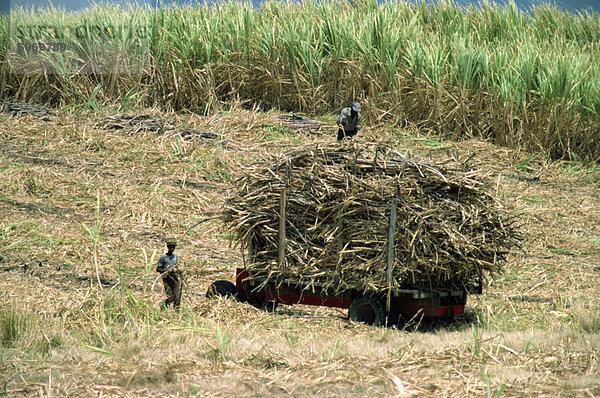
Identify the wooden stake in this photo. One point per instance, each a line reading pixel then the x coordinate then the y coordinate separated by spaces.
pixel 390 256
pixel 282 219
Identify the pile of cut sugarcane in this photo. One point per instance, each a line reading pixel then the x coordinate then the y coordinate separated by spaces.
pixel 327 215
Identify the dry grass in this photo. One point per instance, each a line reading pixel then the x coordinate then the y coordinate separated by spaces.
pixel 75 197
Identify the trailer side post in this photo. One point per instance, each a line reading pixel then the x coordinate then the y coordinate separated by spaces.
pixel 282 235
pixel 390 254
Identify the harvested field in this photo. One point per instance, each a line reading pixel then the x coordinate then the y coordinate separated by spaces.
pixel 84 211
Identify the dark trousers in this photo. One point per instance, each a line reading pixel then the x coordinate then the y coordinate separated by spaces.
pixel 343 134
pixel 172 284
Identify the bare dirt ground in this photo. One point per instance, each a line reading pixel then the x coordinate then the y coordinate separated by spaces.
pixel 85 206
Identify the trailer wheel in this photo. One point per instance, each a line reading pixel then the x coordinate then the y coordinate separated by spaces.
pixel 222 288
pixel 367 309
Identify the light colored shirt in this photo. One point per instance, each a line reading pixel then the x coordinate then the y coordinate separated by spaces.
pixel 165 261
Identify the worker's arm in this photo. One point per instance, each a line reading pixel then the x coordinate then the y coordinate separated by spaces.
pixel 162 265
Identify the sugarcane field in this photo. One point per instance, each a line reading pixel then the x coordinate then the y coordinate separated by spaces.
pixel 255 207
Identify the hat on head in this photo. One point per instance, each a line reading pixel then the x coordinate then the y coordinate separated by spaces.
pixel 356 106
pixel 171 242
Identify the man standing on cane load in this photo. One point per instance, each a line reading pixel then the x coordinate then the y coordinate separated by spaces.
pixel 349 121
pixel 171 276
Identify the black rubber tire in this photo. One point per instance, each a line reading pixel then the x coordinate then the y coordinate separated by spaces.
pixel 367 309
pixel 222 288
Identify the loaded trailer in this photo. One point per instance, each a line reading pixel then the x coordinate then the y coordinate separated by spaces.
pixel 362 227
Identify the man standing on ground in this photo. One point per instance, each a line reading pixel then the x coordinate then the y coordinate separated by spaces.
pixel 349 121
pixel 171 276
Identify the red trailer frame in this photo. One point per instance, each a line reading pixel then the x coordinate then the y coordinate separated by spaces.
pixel 367 307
